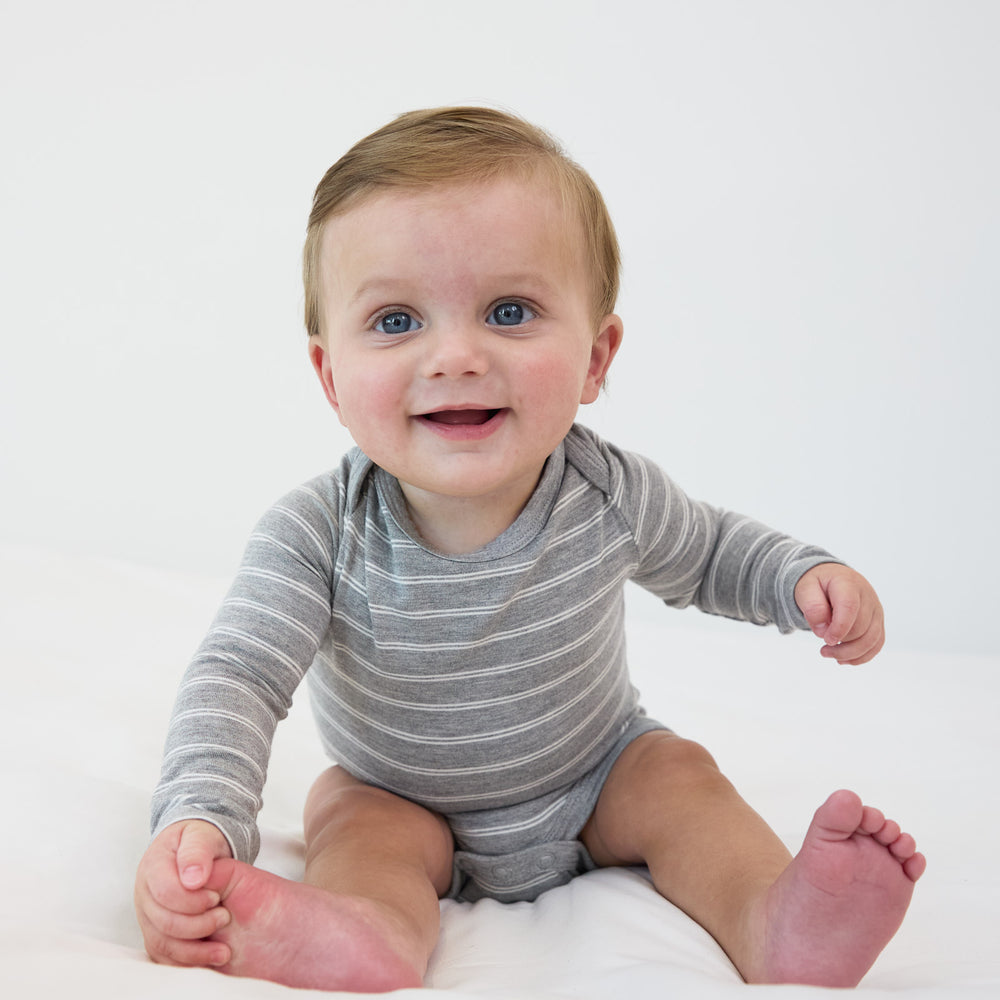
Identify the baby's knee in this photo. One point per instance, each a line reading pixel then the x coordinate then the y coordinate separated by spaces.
pixel 337 796
pixel 663 755
pixel 324 791
pixel 341 807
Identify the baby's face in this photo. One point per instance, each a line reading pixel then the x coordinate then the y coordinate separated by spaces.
pixel 459 334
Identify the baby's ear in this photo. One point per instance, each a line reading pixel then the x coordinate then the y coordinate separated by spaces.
pixel 602 353
pixel 319 357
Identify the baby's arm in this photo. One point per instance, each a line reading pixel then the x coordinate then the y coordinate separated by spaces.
pixel 843 610
pixel 174 910
pixel 241 681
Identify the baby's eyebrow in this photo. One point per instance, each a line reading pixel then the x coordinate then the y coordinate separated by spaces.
pixel 393 288
pixel 378 287
pixel 527 281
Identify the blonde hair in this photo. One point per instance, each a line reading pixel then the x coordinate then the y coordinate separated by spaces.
pixel 460 144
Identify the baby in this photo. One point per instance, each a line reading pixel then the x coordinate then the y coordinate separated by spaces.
pixel 453 591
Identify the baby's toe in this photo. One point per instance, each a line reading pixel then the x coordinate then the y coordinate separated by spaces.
pixel 915 866
pixel 872 820
pixel 903 847
pixel 888 834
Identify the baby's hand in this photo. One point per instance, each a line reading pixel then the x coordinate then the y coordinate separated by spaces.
pixel 842 608
pixel 174 910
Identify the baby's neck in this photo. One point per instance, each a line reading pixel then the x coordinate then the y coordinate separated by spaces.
pixel 460 525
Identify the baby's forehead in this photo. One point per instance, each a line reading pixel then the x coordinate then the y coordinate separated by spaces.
pixel 535 202
pixel 477 208
pixel 489 212
pixel 441 193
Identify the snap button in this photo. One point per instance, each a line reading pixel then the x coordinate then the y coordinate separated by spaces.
pixel 502 871
pixel 546 861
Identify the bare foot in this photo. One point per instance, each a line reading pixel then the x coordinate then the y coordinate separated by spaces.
pixel 302 936
pixel 840 901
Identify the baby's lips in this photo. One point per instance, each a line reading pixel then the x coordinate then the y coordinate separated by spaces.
pixel 461 417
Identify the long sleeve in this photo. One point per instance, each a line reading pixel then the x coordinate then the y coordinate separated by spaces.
pixel 691 553
pixel 240 683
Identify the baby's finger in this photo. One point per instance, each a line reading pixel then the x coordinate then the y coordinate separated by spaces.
pixel 167 893
pixel 196 851
pixel 181 926
pixel 857 651
pixel 814 606
pixel 845 600
pixel 174 951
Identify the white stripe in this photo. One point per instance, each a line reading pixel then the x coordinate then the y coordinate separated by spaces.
pixel 215 713
pixel 192 777
pixel 230 682
pixel 507 634
pixel 449 676
pixel 496 793
pixel 460 825
pixel 524 594
pixel 307 592
pixel 266 611
pixel 371 694
pixel 492 768
pixel 221 749
pixel 253 642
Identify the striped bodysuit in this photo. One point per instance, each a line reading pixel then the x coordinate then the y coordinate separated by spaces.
pixel 491 687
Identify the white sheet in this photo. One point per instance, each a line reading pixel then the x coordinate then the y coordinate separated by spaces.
pixel 92 651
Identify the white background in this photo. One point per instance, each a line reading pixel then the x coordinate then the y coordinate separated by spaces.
pixel 806 194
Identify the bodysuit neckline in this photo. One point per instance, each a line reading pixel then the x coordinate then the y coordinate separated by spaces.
pixel 522 532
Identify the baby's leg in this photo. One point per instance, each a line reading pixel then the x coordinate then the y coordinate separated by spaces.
pixel 820 918
pixel 367 917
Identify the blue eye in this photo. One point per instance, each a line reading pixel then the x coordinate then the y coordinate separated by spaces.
pixel 397 322
pixel 510 314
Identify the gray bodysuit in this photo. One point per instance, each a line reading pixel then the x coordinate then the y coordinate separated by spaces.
pixel 491 687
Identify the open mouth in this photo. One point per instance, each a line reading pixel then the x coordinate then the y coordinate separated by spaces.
pixel 461 418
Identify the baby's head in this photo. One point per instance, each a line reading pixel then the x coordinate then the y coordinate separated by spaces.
pixel 459 145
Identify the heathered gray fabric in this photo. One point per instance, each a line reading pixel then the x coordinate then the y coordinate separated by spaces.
pixel 465 683
pixel 515 853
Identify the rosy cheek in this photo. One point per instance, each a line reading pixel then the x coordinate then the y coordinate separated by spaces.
pixel 371 391
pixel 554 385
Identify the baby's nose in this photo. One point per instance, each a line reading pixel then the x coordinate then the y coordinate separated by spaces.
pixel 456 351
